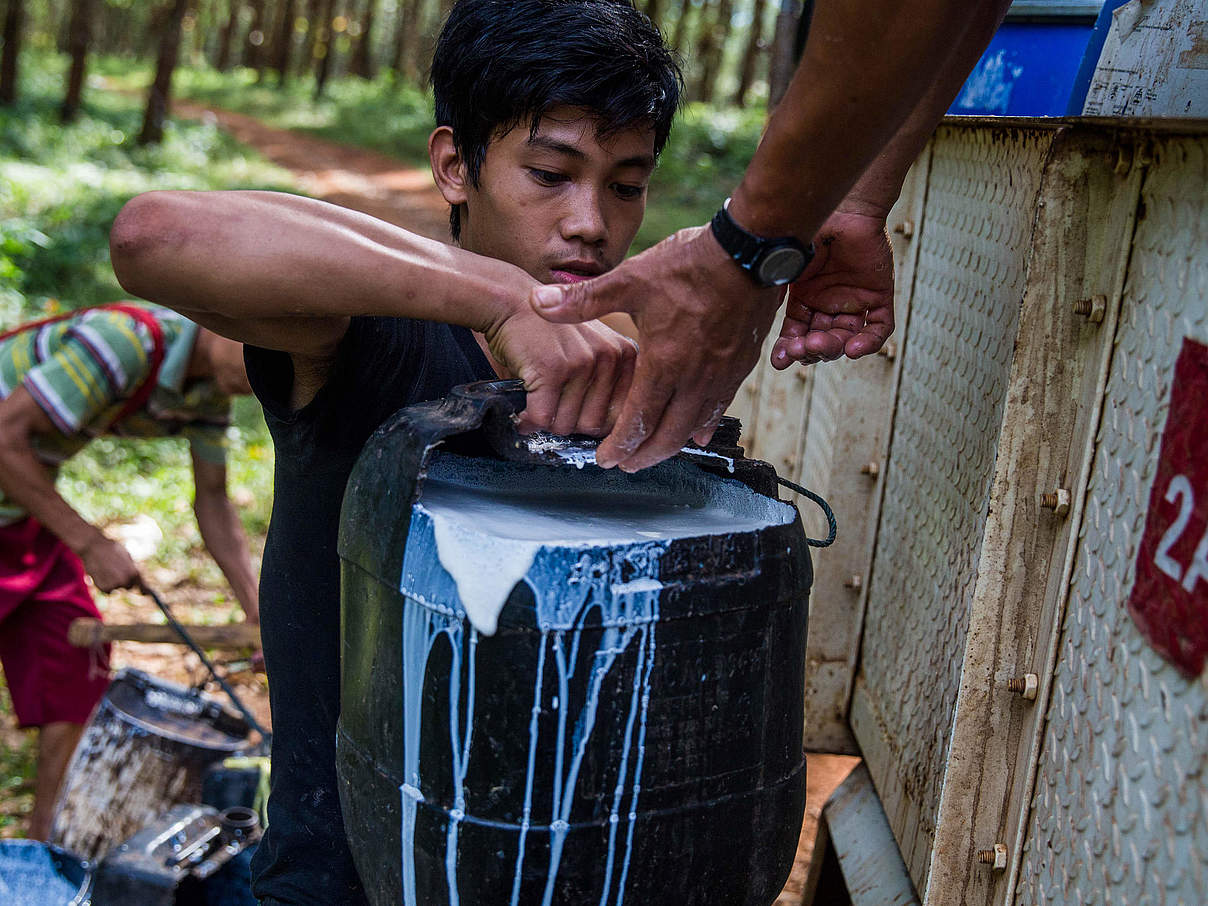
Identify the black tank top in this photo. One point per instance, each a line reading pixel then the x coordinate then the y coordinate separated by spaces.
pixel 383 364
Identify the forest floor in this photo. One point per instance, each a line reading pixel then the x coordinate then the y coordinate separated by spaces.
pixel 386 188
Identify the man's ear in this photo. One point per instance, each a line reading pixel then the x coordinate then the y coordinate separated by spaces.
pixel 448 167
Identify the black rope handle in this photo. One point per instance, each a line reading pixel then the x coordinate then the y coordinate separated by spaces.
pixel 266 736
pixel 831 524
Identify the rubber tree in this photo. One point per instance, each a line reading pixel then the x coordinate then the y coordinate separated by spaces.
pixel 161 89
pixel 226 37
pixel 361 63
pixel 253 48
pixel 792 26
pixel 750 57
pixel 715 33
pixel 14 26
pixel 284 45
pixel 79 35
pixel 681 25
pixel 325 48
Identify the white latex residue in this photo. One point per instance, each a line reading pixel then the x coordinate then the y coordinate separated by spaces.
pixel 487 537
pixel 486 567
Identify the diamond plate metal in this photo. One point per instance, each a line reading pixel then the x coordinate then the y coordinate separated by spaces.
pixel 969 281
pixel 1120 809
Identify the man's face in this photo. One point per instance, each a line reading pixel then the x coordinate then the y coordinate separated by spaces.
pixel 564 203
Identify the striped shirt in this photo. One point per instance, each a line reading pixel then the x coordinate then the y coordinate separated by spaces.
pixel 81 371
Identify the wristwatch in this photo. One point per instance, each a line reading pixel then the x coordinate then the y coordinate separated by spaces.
pixel 769 262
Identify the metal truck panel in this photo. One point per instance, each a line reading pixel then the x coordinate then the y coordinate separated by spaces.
pixel 970 277
pixel 1120 809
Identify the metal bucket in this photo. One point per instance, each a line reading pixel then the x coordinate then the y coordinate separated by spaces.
pixel 33 873
pixel 144 750
pixel 631 732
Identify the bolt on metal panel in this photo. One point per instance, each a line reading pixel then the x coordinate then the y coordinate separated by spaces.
pixel 1119 813
pixel 969 281
pixel 1083 229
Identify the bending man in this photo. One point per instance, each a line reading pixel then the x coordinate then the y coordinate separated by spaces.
pixel 131 370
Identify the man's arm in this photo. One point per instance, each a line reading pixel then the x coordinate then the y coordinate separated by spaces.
pixel 26 481
pixel 843 305
pixel 867 68
pixel 286 273
pixel 223 534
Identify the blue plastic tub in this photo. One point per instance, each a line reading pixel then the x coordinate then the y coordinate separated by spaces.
pixel 37 874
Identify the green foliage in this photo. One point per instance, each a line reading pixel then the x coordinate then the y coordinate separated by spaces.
pixel 60 189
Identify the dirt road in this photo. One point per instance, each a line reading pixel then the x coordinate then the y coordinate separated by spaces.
pixel 351 177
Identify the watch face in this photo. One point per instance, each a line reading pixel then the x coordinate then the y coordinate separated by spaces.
pixel 781 266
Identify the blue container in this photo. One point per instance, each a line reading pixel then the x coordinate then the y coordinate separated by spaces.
pixel 1032 65
pixel 33 873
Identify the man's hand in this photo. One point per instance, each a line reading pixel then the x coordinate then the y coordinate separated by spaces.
pixel 109 564
pixel 843 303
pixel 701 323
pixel 575 374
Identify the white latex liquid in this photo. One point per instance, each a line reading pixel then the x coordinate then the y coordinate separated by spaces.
pixel 587 543
pixel 486 539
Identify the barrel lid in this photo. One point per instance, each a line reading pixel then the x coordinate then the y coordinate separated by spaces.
pixel 176 712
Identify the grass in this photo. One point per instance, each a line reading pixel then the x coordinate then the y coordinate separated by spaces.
pixel 703 161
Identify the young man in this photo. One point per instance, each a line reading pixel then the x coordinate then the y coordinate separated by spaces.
pixel 135 371
pixel 550 114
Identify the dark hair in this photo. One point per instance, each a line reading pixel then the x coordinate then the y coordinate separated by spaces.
pixel 500 63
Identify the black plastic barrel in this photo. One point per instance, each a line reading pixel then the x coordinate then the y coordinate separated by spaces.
pixel 688 779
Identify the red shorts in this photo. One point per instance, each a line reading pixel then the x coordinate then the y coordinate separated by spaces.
pixel 42 589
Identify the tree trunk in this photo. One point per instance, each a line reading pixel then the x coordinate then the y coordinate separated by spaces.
pixel 681 26
pixel 409 42
pixel 325 50
pixel 80 32
pixel 253 52
pixel 14 24
pixel 226 40
pixel 785 51
pixel 314 9
pixel 285 40
pixel 362 53
pixel 161 88
pixel 712 53
pixel 750 57
pixel 702 49
pixel 654 10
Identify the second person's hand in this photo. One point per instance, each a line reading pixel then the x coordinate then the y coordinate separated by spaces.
pixel 109 564
pixel 701 323
pixel 574 374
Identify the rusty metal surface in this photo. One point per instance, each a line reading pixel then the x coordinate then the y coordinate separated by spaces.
pixel 1119 813
pixel 969 281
